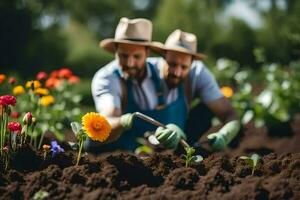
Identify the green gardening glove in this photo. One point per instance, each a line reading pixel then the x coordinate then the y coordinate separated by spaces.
pixel 126 121
pixel 170 136
pixel 224 136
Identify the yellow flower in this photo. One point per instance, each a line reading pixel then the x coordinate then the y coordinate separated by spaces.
pixel 41 91
pixel 18 90
pixel 227 91
pixel 47 100
pixel 36 84
pixel 96 126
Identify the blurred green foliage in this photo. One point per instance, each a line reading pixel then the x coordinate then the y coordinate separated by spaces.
pixel 44 35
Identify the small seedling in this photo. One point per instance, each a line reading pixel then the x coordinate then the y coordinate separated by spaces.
pixel 40 195
pixel 144 148
pixel 252 161
pixel 189 157
pixel 81 137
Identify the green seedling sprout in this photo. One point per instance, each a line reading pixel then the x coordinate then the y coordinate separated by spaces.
pixel 40 195
pixel 252 161
pixel 81 137
pixel 143 149
pixel 190 158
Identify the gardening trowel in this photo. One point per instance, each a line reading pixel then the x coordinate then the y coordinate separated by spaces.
pixel 152 139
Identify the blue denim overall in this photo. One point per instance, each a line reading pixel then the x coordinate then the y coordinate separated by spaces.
pixel 175 113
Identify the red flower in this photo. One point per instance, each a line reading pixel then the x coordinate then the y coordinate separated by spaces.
pixel 41 76
pixel 8 100
pixel 54 74
pixel 12 80
pixel 14 127
pixel 65 73
pixel 73 80
pixel 15 115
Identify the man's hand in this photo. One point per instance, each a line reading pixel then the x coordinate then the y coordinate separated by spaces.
pixel 170 136
pixel 126 121
pixel 224 136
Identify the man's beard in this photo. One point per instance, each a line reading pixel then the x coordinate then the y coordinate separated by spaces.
pixel 134 72
pixel 173 81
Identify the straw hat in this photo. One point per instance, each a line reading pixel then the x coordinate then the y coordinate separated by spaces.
pixel 181 42
pixel 131 31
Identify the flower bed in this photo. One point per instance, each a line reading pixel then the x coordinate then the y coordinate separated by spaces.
pixel 121 175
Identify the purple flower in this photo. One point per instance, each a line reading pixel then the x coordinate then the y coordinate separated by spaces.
pixel 55 148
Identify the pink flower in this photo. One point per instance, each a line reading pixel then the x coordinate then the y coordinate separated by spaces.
pixel 27 119
pixel 41 76
pixel 15 115
pixel 12 80
pixel 14 127
pixel 8 100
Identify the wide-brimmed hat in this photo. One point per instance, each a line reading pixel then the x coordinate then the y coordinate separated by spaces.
pixel 181 42
pixel 131 31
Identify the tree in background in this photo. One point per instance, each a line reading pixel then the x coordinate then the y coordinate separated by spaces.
pixel 50 34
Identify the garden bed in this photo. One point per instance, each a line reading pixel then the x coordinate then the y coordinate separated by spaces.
pixel 122 175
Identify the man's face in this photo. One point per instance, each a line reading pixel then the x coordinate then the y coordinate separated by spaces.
pixel 178 67
pixel 132 59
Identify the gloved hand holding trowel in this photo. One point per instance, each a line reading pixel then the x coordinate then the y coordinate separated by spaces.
pixel 169 136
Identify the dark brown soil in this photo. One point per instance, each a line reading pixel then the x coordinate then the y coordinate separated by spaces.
pixel 122 175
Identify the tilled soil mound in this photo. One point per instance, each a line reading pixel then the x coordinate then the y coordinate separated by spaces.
pixel 122 175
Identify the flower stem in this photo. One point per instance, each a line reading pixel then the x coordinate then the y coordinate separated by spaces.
pixel 79 153
pixel 41 140
pixel 1 130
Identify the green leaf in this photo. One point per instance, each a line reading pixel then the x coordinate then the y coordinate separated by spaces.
pixel 143 149
pixel 74 146
pixel 76 127
pixel 248 160
pixel 255 157
pixel 40 195
pixel 197 159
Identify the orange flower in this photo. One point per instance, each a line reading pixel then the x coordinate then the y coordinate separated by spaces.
pixel 73 80
pixel 52 82
pixel 46 147
pixel 96 126
pixel 36 84
pixel 2 78
pixel 47 100
pixel 54 74
pixel 18 90
pixel 227 91
pixel 65 73
pixel 41 91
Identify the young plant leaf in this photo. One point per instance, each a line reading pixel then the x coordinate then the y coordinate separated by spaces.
pixel 189 157
pixel 197 159
pixel 252 161
pixel 143 149
pixel 76 127
pixel 74 146
pixel 255 159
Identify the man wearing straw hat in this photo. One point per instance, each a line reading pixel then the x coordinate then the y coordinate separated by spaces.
pixel 126 84
pixel 130 83
pixel 182 70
